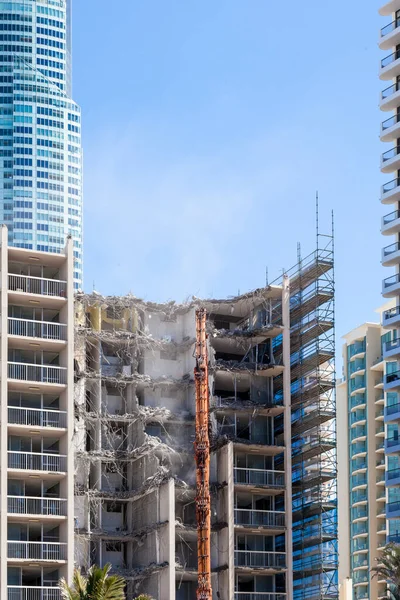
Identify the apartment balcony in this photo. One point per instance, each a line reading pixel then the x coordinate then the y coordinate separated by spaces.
pixel 392 444
pixel 390 35
pixel 19 418
pixel 259 596
pixel 390 66
pixel 33 593
pixel 391 286
pixel 390 160
pixel 393 510
pixel 391 317
pixel 392 412
pixel 391 349
pixel 26 506
pixel 51 293
pixel 26 376
pixel 259 477
pixel 256 559
pixel 390 129
pixel 391 223
pixel 53 552
pixel 390 191
pixel 357 401
pixel 389 8
pixel 259 518
pixel 34 461
pixel 390 97
pixel 244 435
pixel 47 335
pixel 392 478
pixel 391 255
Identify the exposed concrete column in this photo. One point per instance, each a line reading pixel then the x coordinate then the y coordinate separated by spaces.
pixel 69 267
pixel 167 540
pixel 287 424
pixel 4 412
pixel 226 536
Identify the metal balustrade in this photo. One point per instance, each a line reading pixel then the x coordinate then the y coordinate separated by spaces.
pixel 389 91
pixel 388 60
pixel 37 285
pixel 34 461
pixel 259 477
pixel 255 558
pixel 31 505
pixel 18 592
pixel 37 373
pixel 389 28
pixel 45 330
pixel 53 551
pixel 257 518
pixel 37 417
pixel 259 596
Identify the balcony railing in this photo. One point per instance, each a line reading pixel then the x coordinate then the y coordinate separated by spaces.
pixel 390 377
pixel 259 477
pixel 358 447
pixel 38 373
pixel 37 417
pixel 393 440
pixel 259 518
pixel 393 216
pixel 37 551
pixel 255 558
pixel 393 474
pixel 37 285
pixel 392 312
pixel 30 505
pixel 390 185
pixel 259 596
pixel 390 122
pixel 392 409
pixel 357 400
pixel 33 461
pixel 33 593
pixel 393 507
pixel 389 91
pixel 388 60
pixel 389 28
pixel 45 330
pixel 391 250
pixel 391 153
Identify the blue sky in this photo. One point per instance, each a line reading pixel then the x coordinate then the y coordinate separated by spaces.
pixel 208 127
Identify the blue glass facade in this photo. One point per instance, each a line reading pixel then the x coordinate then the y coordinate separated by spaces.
pixel 40 129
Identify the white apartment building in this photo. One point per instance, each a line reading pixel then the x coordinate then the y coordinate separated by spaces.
pixel 361 416
pixel 37 421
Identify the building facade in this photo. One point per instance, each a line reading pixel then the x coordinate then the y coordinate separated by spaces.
pixel 273 467
pixel 40 129
pixel 361 460
pixel 37 421
pixel 390 195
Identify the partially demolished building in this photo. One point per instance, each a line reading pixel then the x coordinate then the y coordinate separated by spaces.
pixel 272 426
pixel 98 457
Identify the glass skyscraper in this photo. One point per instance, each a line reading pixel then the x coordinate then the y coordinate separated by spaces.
pixel 40 129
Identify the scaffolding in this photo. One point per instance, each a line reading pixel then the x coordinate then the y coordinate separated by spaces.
pixel 313 422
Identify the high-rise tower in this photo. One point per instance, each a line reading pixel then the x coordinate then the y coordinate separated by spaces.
pixel 390 195
pixel 40 129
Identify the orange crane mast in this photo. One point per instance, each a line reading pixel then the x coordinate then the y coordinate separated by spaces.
pixel 202 457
